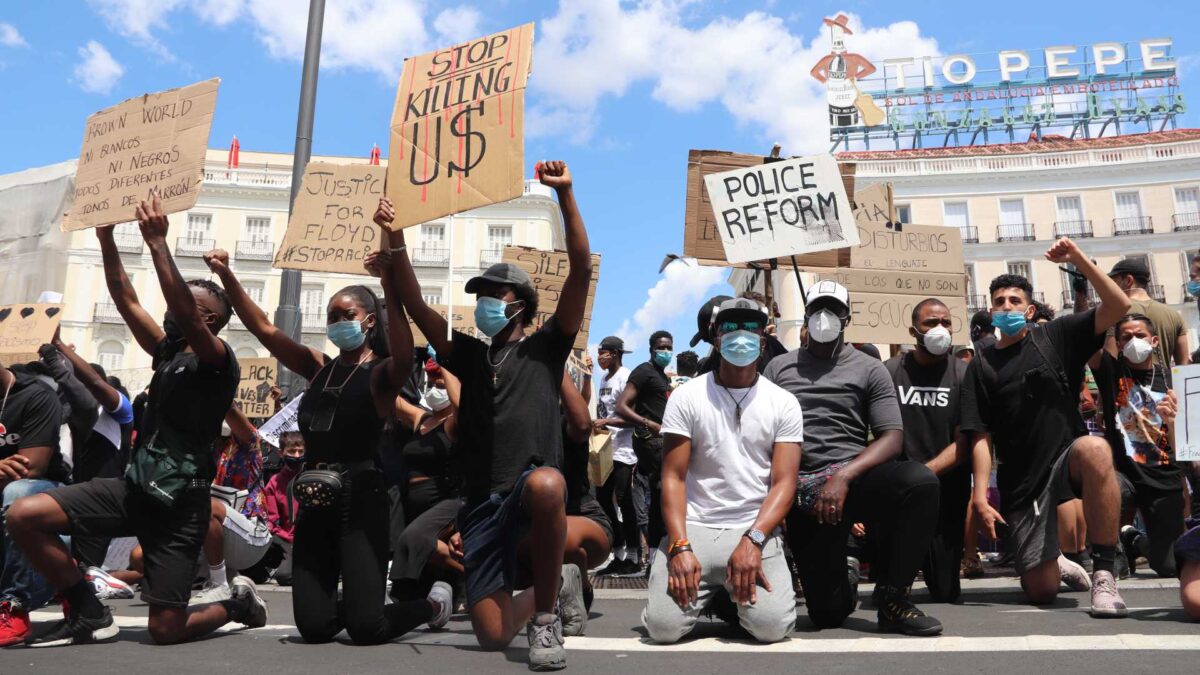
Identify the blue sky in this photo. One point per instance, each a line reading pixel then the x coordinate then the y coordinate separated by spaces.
pixel 619 90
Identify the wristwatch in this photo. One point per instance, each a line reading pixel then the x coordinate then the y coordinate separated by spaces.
pixel 756 537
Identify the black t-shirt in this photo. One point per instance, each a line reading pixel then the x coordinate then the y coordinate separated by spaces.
pixel 929 403
pixel 1013 394
pixel 31 419
pixel 354 433
pixel 1153 465
pixel 509 410
pixel 188 401
pixel 653 387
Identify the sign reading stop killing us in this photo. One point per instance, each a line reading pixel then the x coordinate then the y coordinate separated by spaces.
pixel 458 127
pixel 784 208
pixel 332 228
pixel 154 143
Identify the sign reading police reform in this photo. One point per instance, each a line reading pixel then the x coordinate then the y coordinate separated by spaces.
pixel 782 208
pixel 458 127
pixel 152 143
pixel 332 227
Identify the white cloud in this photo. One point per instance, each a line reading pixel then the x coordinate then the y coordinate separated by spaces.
pixel 219 12
pixel 682 289
pixel 10 36
pixel 98 71
pixel 139 20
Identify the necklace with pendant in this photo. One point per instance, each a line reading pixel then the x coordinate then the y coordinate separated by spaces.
pixel 508 349
pixel 737 402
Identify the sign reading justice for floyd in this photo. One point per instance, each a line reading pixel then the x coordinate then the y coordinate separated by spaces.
pixel 458 127
pixel 782 208
pixel 152 143
pixel 332 228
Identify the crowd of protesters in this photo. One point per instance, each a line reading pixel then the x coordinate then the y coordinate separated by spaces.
pixel 454 476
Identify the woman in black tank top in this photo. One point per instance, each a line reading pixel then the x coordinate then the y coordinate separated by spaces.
pixel 431 472
pixel 341 418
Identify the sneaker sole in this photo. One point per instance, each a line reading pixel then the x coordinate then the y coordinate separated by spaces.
pixel 927 632
pixel 1108 614
pixel 100 635
pixel 554 665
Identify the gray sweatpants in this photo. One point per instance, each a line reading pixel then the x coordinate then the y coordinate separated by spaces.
pixel 771 619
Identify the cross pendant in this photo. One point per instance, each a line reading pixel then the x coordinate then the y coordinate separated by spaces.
pixel 495 380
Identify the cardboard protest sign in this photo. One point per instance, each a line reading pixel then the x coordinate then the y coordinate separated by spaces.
pixel 332 227
pixel 152 143
pixel 254 391
pixel 460 320
pixel 885 245
pixel 24 328
pixel 884 318
pixel 458 127
pixel 286 419
pixel 784 208
pixel 1186 382
pixel 548 270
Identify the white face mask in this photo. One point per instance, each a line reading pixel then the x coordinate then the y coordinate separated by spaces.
pixel 437 398
pixel 1137 350
pixel 824 326
pixel 936 340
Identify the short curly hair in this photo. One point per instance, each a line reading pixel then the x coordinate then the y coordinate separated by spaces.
pixel 1011 281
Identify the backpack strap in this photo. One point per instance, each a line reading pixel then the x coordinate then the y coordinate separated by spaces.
pixel 1041 342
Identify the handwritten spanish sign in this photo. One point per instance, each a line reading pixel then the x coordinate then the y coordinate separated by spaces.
pixel 254 391
pixel 1186 382
pixel 283 421
pixel 782 208
pixel 152 143
pixel 332 228
pixel 24 328
pixel 458 127
pixel 548 270
pixel 886 245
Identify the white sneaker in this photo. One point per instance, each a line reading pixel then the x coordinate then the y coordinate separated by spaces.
pixel 211 593
pixel 1073 575
pixel 107 586
pixel 443 596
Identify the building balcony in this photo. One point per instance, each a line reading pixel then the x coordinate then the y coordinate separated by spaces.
pixel 1157 292
pixel 1016 232
pixel 1075 229
pixel 1068 298
pixel 235 323
pixel 269 178
pixel 106 312
pixel 976 303
pixel 1133 225
pixel 128 242
pixel 1185 222
pixel 430 256
pixel 313 322
pixel 1039 296
pixel 255 250
pixel 489 258
pixel 970 234
pixel 192 247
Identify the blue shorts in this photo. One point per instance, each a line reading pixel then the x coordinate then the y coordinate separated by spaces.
pixel 1187 547
pixel 491 532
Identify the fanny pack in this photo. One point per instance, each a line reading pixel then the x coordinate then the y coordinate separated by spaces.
pixel 809 484
pixel 161 472
pixel 320 488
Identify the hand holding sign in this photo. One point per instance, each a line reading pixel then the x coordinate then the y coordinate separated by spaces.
pixel 152 220
pixel 385 214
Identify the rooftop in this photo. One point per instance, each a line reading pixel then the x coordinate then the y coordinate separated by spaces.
pixel 1049 143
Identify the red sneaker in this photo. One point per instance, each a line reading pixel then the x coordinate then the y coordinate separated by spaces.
pixel 14 624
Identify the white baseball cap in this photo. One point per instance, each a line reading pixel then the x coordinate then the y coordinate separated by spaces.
pixel 828 289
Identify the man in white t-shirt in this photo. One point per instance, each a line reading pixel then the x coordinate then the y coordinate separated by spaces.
pixel 617 492
pixel 731 453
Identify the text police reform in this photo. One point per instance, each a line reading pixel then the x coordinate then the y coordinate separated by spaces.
pixel 782 208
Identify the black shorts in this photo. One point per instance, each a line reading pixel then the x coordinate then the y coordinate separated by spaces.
pixel 171 537
pixel 587 507
pixel 491 532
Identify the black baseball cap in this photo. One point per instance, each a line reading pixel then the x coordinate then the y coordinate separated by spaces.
pixel 613 343
pixel 704 319
pixel 741 309
pixel 1135 266
pixel 501 273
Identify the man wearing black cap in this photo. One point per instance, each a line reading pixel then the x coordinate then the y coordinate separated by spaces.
pixel 703 334
pixel 617 491
pixel 515 521
pixel 1132 275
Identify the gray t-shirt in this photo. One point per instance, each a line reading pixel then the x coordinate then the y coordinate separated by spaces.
pixel 842 399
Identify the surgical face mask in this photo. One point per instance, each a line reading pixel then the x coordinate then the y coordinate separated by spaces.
pixel 662 357
pixel 346 335
pixel 437 398
pixel 1137 350
pixel 490 316
pixel 936 340
pixel 1009 323
pixel 824 326
pixel 1193 288
pixel 740 347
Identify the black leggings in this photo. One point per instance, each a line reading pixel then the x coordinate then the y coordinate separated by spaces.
pixel 1162 512
pixel 349 543
pixel 899 500
pixel 649 456
pixel 617 492
pixel 943 562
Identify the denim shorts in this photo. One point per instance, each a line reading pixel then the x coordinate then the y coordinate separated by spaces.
pixel 491 532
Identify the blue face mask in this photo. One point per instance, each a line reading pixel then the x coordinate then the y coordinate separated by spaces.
pixel 346 335
pixel 489 316
pixel 662 357
pixel 1009 323
pixel 1194 288
pixel 740 348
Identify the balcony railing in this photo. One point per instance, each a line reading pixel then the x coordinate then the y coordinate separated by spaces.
pixel 1015 232
pixel 106 312
pixel 1068 298
pixel 489 258
pixel 1049 161
pixel 1039 296
pixel 235 323
pixel 1157 292
pixel 313 322
pixel 430 256
pixel 1076 229
pixel 976 303
pixel 192 247
pixel 970 234
pixel 269 178
pixel 1185 222
pixel 255 250
pixel 1133 225
pixel 126 241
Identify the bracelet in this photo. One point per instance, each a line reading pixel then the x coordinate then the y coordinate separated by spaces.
pixel 397 249
pixel 677 544
pixel 676 550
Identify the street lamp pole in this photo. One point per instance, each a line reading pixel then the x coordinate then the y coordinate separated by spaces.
pixel 288 314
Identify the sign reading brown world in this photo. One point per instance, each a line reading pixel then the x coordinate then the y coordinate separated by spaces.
pixel 783 208
pixel 548 270
pixel 154 143
pixel 458 127
pixel 332 228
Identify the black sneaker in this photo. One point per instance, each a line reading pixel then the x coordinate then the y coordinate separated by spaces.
pixel 75 630
pixel 618 568
pixel 1131 544
pixel 898 614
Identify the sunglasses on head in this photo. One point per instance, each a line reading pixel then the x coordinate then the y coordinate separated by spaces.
pixel 730 326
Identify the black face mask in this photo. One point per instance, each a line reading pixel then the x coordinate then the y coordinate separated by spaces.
pixel 173 331
pixel 293 461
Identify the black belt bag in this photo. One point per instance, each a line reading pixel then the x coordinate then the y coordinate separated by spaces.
pixel 320 488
